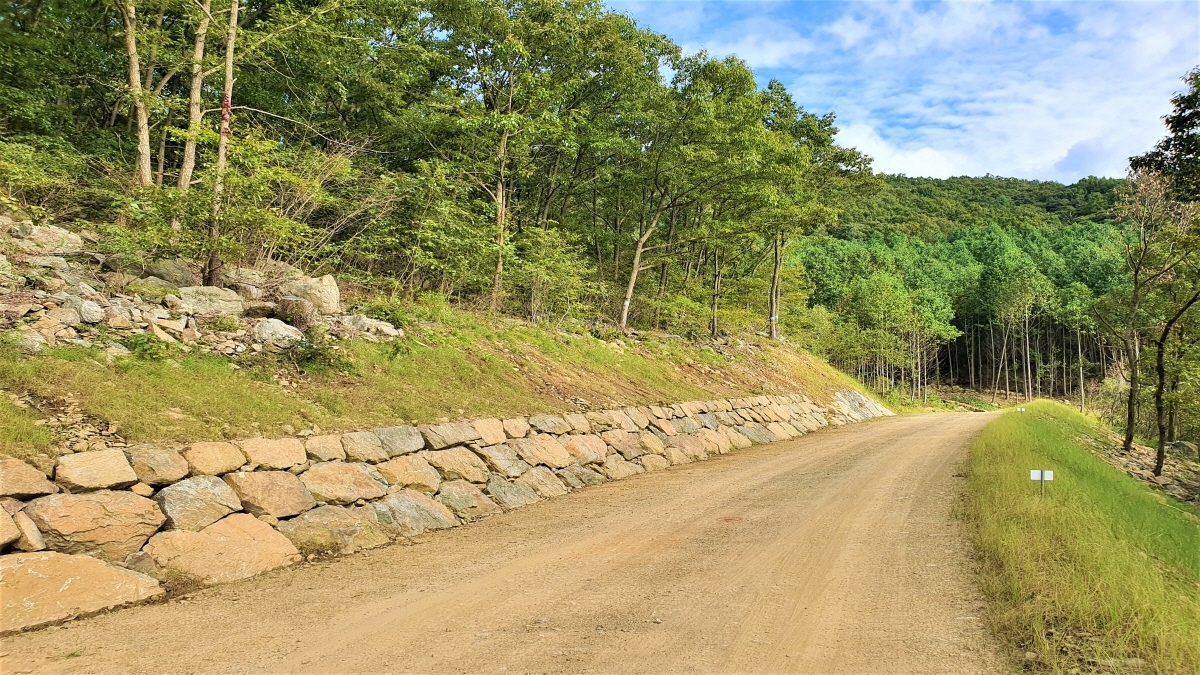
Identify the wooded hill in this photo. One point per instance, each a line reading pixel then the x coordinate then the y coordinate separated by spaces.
pixel 551 159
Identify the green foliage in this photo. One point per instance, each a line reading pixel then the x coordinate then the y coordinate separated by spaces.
pixel 317 353
pixel 148 347
pixel 222 324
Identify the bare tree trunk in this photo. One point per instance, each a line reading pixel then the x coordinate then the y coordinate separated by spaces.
pixel 716 292
pixel 776 283
pixel 212 271
pixel 194 112
pixel 501 198
pixel 1082 393
pixel 637 264
pixel 1160 371
pixel 1132 361
pixel 162 151
pixel 142 173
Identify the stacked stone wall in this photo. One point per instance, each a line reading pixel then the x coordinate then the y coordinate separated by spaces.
pixel 117 522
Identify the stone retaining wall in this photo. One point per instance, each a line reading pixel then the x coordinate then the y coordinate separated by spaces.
pixel 112 524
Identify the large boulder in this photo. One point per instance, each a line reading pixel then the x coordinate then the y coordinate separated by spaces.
pixel 341 483
pixel 321 292
pixel 400 440
pixel 277 333
pixel 577 476
pixel 272 493
pixel 586 448
pixel 335 529
pixel 235 547
pixel 21 481
pixel 156 466
pixel 617 467
pixel 213 458
pixel 543 482
pixel 105 524
pixel 653 462
pixel 363 446
pixel 510 495
pixel 459 463
pixel 542 449
pixel 175 271
pixel 550 424
pixel 325 448
pixel 411 471
pixel 625 442
pixel 197 502
pixel 503 460
pixel 210 301
pixel 438 436
pixel 408 513
pixel 273 453
pixel 491 431
pixel 690 445
pixel 516 427
pixel 465 500
pixel 44 587
pixel 94 471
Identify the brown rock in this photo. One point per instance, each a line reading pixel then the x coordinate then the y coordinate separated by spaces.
pixel 577 476
pixel 465 500
pixel 235 547
pixel 550 424
pixel 653 462
pixel 94 471
pixel 197 502
pixel 341 483
pixel 690 445
pixel 273 493
pixel 411 471
pixel 408 513
pixel 141 489
pixel 651 443
pixel 274 453
pixel 676 456
pixel 491 431
pixel 19 480
pixel 459 463
pixel 542 449
pixel 108 525
pixel 586 448
pixel 664 425
pixel 503 460
pixel 325 448
pixel 579 422
pixel 543 482
pixel 616 467
pixel 157 466
pixel 335 529
pixel 31 538
pixel 400 440
pixel 719 441
pixel 516 427
pixel 363 446
pixel 735 439
pixel 41 588
pixel 438 436
pixel 9 532
pixel 213 458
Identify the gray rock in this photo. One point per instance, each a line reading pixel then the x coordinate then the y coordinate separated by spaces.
pixel 321 292
pixel 757 434
pixel 686 425
pixel 550 424
pixel 211 301
pixel 197 502
pixel 510 495
pixel 581 476
pixel 543 482
pixel 156 466
pixel 278 333
pixel 616 468
pixel 64 315
pixel 459 463
pixel 408 513
pixel 503 460
pixel 296 311
pixel 175 272
pixel 400 440
pixel 258 309
pixel 709 420
pixel 335 529
pixel 465 500
pixel 438 436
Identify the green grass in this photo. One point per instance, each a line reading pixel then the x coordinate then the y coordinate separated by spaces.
pixel 20 436
pixel 1101 568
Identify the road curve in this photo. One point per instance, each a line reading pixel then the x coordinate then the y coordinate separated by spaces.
pixel 833 553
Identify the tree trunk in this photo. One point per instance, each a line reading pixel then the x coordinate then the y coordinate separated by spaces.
pixel 1132 363
pixel 1082 393
pixel 142 172
pixel 776 283
pixel 716 292
pixel 212 271
pixel 188 164
pixel 1160 371
pixel 162 151
pixel 501 222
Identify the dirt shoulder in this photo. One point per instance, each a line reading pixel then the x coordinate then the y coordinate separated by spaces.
pixel 836 552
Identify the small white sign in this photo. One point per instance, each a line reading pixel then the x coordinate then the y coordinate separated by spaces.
pixel 1038 474
pixel 1020 410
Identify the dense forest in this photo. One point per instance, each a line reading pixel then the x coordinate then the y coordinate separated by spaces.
pixel 551 159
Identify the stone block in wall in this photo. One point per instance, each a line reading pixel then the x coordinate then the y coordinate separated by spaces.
pixel 756 433
pixel 542 449
pixel 781 430
pixel 466 500
pixel 341 483
pixel 543 482
pixel 438 436
pixel 156 466
pixel 279 494
pixel 363 446
pixel 491 431
pixel 690 445
pixel 600 421
pixel 550 424
pixel 105 524
pixel 736 439
pixel 653 462
pixel 9 532
pixel 458 463
pixel 21 481
pixel 576 476
pixel 40 588
pixel 197 502
pixel 586 448
pixel 273 453
pixel 31 537
pixel 510 495
pixel 408 513
pixel 213 458
pixel 636 417
pixel 516 427
pixel 236 547
pixel 401 440
pixel 686 425
pixel 503 460
pixel 326 448
pixel 656 411
pixel 616 468
pixel 709 420
pixel 96 470
pixel 335 529
pixel 410 471
pixel 677 410
pixel 579 422
pixel 719 441
pixel 663 425
pixel 651 443
pixel 624 442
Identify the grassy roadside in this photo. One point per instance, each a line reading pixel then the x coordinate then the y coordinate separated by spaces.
pixel 462 364
pixel 1098 574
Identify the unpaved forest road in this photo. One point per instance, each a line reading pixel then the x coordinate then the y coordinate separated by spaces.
pixel 833 553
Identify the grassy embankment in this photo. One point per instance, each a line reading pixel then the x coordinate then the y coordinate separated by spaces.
pixel 453 365
pixel 1102 571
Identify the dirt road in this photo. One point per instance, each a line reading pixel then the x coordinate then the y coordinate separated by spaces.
pixel 833 553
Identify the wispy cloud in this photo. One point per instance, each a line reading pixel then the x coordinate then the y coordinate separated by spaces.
pixel 1031 89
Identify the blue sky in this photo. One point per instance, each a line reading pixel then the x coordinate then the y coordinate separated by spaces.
pixel 1046 90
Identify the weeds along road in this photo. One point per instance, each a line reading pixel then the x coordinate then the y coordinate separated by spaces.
pixel 837 552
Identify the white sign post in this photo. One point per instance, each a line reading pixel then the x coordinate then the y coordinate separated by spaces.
pixel 1041 475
